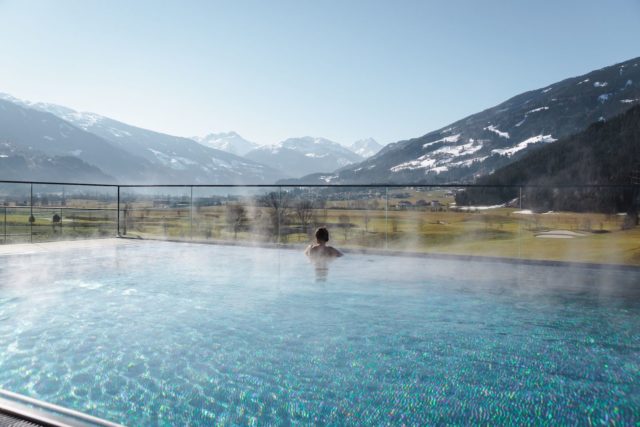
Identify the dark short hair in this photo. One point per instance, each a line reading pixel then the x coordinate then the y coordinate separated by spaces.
pixel 322 234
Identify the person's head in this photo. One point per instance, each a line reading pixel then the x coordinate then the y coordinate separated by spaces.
pixel 322 235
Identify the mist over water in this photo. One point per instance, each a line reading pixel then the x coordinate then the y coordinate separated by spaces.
pixel 153 333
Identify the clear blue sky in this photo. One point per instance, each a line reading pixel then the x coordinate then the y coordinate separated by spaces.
pixel 269 70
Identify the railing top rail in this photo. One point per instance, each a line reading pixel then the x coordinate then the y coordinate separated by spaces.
pixel 57 183
pixel 375 185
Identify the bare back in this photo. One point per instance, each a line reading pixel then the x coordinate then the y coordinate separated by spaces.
pixel 322 251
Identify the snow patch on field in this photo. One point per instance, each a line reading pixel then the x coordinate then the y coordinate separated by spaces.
pixel 604 98
pixel 118 133
pixel 559 234
pixel 600 84
pixel 535 110
pixel 524 144
pixel 629 101
pixel 447 139
pixel 492 128
pixel 441 160
pixel 468 162
pixel 328 178
pixel 422 162
pixel 479 208
pixel 176 163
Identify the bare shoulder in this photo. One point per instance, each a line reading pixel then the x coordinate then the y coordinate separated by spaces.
pixel 335 252
pixel 310 249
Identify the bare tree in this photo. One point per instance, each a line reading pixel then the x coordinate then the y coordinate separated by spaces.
pixel 236 218
pixel 304 213
pixel 345 224
pixel 127 207
pixel 277 204
pixel 366 218
pixel 394 224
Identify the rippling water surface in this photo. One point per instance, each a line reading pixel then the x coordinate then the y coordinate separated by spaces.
pixel 157 333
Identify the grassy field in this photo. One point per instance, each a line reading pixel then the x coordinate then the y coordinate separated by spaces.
pixel 358 223
pixel 499 232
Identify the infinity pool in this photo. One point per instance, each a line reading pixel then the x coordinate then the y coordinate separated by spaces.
pixel 155 333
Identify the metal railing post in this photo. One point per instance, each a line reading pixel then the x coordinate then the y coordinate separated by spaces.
pixel 520 198
pixel 60 226
pixel 191 214
pixel 386 217
pixel 279 211
pixel 118 213
pixel 31 217
pixel 520 225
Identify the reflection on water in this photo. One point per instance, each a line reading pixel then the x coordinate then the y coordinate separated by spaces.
pixel 321 267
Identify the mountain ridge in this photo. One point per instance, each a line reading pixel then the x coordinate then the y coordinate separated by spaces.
pixel 230 142
pixel 482 142
pixel 156 156
pixel 301 155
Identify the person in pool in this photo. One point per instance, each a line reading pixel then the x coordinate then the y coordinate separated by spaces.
pixel 320 248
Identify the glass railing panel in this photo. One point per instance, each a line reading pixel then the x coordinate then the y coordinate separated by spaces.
pixel 567 224
pixel 155 212
pixel 419 219
pixel 235 214
pixel 477 221
pixel 67 212
pixel 439 220
pixel 15 207
pixel 580 224
pixel 355 216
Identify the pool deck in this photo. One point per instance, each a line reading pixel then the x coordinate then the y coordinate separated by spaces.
pixel 45 247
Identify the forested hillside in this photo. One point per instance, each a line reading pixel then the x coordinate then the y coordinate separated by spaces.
pixel 606 153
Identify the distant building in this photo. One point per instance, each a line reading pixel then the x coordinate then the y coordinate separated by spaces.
pixel 161 203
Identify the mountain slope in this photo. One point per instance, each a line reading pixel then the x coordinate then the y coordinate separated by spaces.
pixel 32 166
pixel 230 142
pixel 159 157
pixel 483 142
pixel 605 153
pixel 301 156
pixel 33 135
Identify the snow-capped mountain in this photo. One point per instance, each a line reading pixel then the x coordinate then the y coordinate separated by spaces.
pixel 40 142
pixel 230 142
pixel 483 142
pixel 366 147
pixel 301 156
pixel 144 155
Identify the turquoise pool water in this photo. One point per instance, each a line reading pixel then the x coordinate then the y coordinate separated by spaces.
pixel 156 333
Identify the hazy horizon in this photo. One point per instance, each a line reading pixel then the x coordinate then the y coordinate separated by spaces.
pixel 271 71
